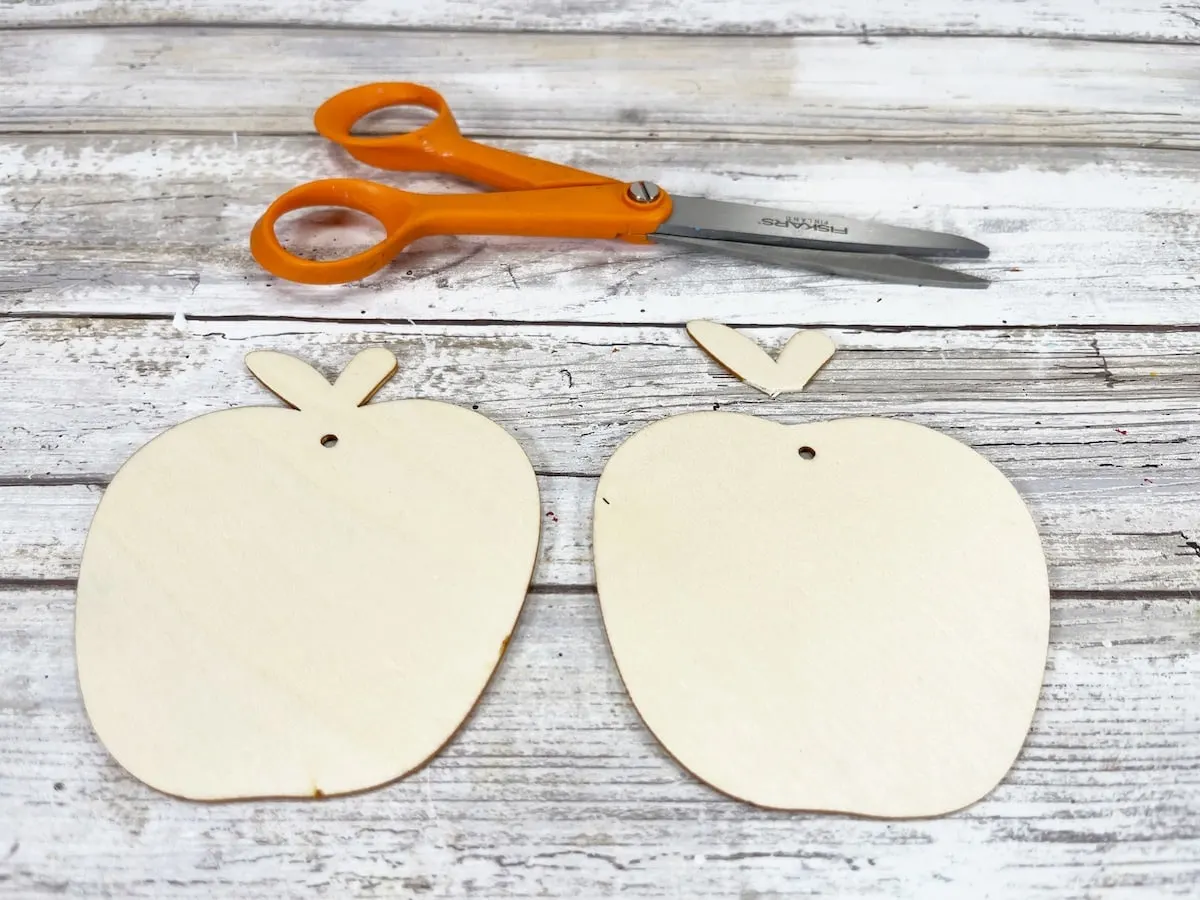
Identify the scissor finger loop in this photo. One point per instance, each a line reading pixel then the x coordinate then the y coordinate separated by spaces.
pixel 410 150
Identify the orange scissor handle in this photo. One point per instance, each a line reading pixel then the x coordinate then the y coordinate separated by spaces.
pixel 437 146
pixel 604 211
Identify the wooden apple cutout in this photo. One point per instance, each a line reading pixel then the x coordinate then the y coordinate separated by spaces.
pixel 302 602
pixel 845 616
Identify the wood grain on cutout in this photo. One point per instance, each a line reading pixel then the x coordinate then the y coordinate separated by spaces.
pixel 794 90
pixel 302 602
pixel 154 225
pixel 848 616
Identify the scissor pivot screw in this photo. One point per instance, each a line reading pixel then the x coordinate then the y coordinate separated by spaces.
pixel 643 191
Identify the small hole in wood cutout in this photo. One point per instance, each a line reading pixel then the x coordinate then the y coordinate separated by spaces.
pixel 329 440
pixel 807 453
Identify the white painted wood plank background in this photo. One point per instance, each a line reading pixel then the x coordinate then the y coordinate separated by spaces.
pixel 1125 519
pixel 156 224
pixel 557 790
pixel 139 141
pixel 1145 20
pixel 609 86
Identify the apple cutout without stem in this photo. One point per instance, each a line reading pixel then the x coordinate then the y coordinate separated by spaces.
pixel 302 602
pixel 843 616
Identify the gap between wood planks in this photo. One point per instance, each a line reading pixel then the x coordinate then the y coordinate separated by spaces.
pixel 864 327
pixel 1066 595
pixel 936 144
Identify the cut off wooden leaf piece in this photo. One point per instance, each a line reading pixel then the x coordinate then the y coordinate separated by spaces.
pixel 302 602
pixel 798 362
pixel 848 616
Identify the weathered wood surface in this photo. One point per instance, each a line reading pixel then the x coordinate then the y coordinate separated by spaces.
pixel 154 225
pixel 1114 483
pixel 138 143
pixel 638 87
pixel 1147 20
pixel 554 788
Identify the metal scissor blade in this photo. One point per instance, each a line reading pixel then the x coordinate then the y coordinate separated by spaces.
pixel 879 267
pixel 696 217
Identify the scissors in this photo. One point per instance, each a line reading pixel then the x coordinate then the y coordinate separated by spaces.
pixel 537 198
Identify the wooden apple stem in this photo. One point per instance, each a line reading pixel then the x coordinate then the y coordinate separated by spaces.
pixel 301 386
pixel 800 359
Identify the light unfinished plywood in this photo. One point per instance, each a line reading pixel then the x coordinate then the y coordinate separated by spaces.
pixel 846 616
pixel 788 372
pixel 302 602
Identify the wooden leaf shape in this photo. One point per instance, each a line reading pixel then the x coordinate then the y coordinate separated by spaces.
pixel 798 362
pixel 365 374
pixel 291 380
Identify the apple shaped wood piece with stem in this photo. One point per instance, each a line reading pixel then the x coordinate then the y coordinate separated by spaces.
pixel 844 616
pixel 302 602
